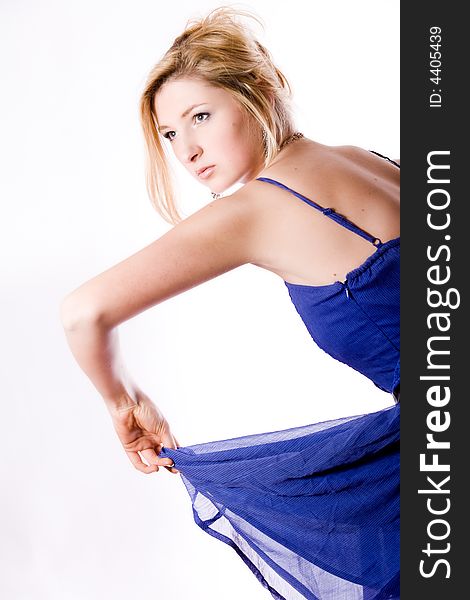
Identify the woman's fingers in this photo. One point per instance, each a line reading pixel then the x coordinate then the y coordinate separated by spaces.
pixel 143 434
pixel 170 442
pixel 151 456
pixel 136 460
pixel 153 466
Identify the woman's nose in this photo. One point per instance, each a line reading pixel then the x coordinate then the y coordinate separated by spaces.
pixel 192 153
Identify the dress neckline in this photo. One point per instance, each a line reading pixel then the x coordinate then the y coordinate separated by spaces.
pixel 354 272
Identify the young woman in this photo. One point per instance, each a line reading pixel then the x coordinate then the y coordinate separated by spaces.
pixel 313 511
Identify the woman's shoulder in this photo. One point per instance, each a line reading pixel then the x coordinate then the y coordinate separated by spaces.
pixel 325 172
pixel 347 178
pixel 306 157
pixel 309 168
pixel 352 181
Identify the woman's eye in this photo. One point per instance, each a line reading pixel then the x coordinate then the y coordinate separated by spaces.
pixel 170 135
pixel 199 115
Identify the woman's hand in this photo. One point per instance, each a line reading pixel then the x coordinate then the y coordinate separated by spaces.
pixel 143 431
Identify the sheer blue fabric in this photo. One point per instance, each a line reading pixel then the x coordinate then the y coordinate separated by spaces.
pixel 313 511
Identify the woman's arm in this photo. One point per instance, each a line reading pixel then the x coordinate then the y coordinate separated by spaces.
pixel 96 350
pixel 214 240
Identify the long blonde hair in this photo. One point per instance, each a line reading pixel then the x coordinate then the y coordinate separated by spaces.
pixel 221 51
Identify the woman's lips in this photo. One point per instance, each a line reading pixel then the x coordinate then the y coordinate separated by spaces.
pixel 207 172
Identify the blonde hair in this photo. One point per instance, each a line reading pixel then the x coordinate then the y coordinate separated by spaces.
pixel 222 52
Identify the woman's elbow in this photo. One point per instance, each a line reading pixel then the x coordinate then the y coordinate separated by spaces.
pixel 75 310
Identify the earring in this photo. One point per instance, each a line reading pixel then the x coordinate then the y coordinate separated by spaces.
pixel 215 195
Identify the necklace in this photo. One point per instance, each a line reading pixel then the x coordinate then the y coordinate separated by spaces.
pixel 295 136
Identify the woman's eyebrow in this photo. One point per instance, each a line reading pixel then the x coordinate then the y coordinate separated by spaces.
pixel 188 110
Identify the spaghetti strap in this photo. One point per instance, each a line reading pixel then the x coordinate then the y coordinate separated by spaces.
pixel 328 212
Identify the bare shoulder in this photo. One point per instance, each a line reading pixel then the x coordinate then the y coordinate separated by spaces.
pixel 367 157
pixel 295 241
pixel 311 167
pixel 333 176
pixel 230 215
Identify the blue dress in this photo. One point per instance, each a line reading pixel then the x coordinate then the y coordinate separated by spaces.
pixel 313 511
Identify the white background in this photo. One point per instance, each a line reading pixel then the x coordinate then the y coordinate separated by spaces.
pixel 228 358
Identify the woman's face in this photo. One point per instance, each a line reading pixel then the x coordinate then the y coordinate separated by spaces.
pixel 206 127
